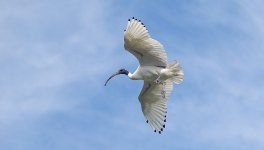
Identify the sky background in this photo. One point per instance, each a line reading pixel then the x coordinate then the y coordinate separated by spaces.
pixel 56 55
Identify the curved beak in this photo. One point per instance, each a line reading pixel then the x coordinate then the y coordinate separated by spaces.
pixel 111 77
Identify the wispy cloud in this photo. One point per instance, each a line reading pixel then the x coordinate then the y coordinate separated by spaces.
pixel 223 74
pixel 40 52
pixel 55 56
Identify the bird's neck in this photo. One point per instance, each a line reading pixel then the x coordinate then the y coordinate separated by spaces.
pixel 133 76
pixel 130 75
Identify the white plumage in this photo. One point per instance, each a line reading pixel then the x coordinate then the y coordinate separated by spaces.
pixel 157 74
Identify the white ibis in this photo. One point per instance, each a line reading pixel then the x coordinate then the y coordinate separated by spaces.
pixel 157 74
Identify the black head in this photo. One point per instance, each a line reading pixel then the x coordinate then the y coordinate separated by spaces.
pixel 123 71
pixel 120 71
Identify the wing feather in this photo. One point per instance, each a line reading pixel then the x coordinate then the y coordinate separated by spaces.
pixel 153 99
pixel 138 42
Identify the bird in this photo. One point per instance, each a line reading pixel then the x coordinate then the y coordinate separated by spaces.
pixel 153 69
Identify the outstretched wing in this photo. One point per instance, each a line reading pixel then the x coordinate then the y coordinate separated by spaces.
pixel 153 99
pixel 138 42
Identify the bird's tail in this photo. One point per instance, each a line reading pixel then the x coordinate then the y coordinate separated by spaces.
pixel 176 72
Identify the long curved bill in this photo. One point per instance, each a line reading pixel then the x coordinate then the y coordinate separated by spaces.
pixel 110 78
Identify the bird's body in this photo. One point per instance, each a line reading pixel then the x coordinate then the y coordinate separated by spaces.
pixel 157 74
pixel 146 73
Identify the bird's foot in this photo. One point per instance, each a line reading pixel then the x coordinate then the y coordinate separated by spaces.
pixel 157 81
pixel 163 94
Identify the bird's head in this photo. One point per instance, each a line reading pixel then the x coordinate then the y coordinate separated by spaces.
pixel 120 71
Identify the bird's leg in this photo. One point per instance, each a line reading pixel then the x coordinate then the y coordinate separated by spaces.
pixel 158 81
pixel 163 92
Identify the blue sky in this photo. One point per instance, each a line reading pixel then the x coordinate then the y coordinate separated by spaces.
pixel 56 55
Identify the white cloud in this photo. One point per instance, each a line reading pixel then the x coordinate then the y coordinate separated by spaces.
pixel 36 54
pixel 221 97
pixel 45 53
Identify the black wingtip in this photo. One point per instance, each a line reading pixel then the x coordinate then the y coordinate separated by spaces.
pixel 147 121
pixel 165 120
pixel 159 132
pixel 164 126
pixel 155 130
